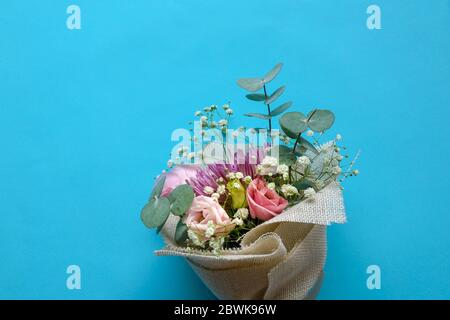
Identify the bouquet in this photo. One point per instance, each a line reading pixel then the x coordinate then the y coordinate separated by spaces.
pixel 248 207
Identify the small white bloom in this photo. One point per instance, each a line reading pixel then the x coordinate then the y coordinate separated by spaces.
pixel 289 190
pixel 215 196
pixel 170 164
pixel 309 133
pixel 195 239
pixel 231 176
pixel 248 179
pixel 356 172
pixel 235 134
pixel 286 176
pixel 223 122
pixel 213 124
pixel 271 185
pixel 308 193
pixel 238 221
pixel 198 113
pixel 282 169
pixel 239 175
pixel 207 109
pixel 229 111
pixel 303 161
pixel 210 229
pixel 208 190
pixel 216 244
pixel 336 170
pixel 268 166
pixel 241 213
pixel 338 137
pixel 225 106
pixel 191 155
pixel 221 189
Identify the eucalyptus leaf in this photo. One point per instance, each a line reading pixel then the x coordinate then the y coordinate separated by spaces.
pixel 293 123
pixel 279 110
pixel 272 73
pixel 256 96
pixel 285 154
pixel 155 213
pixel 157 189
pixel 258 115
pixel 274 96
pixel 181 199
pixel 304 145
pixel 303 184
pixel 181 233
pixel 250 84
pixel 320 120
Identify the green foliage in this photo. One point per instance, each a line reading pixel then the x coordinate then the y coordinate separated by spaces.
pixel 272 73
pixel 279 110
pixel 250 84
pixel 258 115
pixel 181 199
pixel 156 212
pixel 304 145
pixel 274 96
pixel 181 233
pixel 320 120
pixel 285 155
pixel 293 124
pixel 157 189
pixel 256 97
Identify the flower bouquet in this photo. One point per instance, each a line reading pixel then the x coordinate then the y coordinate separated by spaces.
pixel 248 207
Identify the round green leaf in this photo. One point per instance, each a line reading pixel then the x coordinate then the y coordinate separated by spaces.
pixel 293 123
pixel 157 189
pixel 279 110
pixel 286 156
pixel 320 120
pixel 181 233
pixel 250 84
pixel 256 96
pixel 258 115
pixel 304 145
pixel 155 213
pixel 181 199
pixel 274 96
pixel 272 73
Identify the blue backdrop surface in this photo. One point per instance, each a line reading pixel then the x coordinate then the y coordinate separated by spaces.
pixel 86 117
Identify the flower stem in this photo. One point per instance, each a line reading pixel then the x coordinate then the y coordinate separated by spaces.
pixel 268 111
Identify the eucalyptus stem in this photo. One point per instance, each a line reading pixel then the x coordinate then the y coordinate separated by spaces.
pixel 268 110
pixel 296 142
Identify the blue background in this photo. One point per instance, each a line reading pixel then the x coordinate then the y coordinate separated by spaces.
pixel 86 117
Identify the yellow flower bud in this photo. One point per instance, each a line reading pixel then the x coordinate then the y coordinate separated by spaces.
pixel 237 192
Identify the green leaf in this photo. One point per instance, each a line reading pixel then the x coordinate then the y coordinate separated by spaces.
pixel 157 189
pixel 272 73
pixel 155 213
pixel 285 154
pixel 256 96
pixel 258 115
pixel 303 184
pixel 250 84
pixel 275 95
pixel 279 110
pixel 181 233
pixel 304 145
pixel 320 120
pixel 293 123
pixel 181 199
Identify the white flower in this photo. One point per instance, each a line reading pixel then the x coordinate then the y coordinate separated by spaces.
pixel 213 124
pixel 271 185
pixel 170 164
pixel 229 111
pixel 238 221
pixel 231 175
pixel 286 176
pixel 223 122
pixel 215 196
pixel 216 244
pixel 191 155
pixel 248 179
pixel 303 161
pixel 282 169
pixel 197 113
pixel 336 170
pixel 221 189
pixel 195 239
pixel 268 166
pixel 338 137
pixel 225 106
pixel 289 190
pixel 235 134
pixel 210 229
pixel 309 133
pixel 241 213
pixel 207 109
pixel 208 190
pixel 239 175
pixel 308 193
pixel 356 172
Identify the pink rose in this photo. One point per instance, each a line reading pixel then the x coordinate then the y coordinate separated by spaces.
pixel 264 203
pixel 204 209
pixel 178 176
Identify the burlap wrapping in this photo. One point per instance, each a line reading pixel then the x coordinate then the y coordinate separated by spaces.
pixel 283 258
